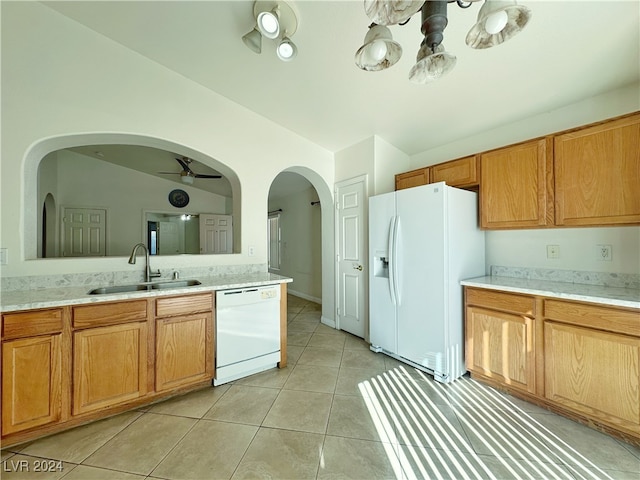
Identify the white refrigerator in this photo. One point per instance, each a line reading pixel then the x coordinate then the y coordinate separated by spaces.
pixel 422 242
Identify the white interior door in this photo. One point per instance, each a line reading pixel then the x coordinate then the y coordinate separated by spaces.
pixel 216 233
pixel 351 202
pixel 84 232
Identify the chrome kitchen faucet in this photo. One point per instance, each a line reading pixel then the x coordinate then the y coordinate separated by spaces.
pixel 148 274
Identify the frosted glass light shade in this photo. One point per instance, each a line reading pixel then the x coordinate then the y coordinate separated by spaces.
pixel 430 65
pixel 391 12
pixel 379 51
pixel 487 33
pixel 188 179
pixel 253 40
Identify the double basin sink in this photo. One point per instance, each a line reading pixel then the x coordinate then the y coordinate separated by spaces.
pixel 144 287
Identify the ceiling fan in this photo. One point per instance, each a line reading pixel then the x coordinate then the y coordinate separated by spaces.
pixel 187 175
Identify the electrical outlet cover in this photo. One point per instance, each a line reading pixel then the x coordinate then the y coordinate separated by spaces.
pixel 604 253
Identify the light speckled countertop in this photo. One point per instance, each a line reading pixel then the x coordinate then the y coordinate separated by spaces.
pixel 17 300
pixel 621 297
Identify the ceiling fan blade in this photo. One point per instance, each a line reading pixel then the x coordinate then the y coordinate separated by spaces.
pixel 184 165
pixel 170 173
pixel 208 176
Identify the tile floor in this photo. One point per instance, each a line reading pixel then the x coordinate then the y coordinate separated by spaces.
pixel 337 411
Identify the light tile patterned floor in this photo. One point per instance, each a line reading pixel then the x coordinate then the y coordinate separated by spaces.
pixel 337 411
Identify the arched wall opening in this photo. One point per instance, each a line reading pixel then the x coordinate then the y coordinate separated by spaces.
pixel 325 197
pixel 33 211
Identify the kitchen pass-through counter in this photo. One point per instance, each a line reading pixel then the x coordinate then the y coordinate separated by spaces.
pixel 70 357
pixel 17 300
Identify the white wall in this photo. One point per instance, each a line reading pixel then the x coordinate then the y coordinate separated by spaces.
pixel 527 248
pixel 357 160
pixel 376 158
pixel 90 183
pixel 87 182
pixel 301 247
pixel 60 78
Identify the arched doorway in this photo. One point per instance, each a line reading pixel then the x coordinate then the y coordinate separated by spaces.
pixel 307 242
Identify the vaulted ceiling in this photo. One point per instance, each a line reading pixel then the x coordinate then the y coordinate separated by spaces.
pixel 571 50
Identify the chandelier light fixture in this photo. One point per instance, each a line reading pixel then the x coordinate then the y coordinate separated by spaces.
pixel 275 20
pixel 497 22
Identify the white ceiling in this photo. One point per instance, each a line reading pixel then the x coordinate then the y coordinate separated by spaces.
pixel 570 50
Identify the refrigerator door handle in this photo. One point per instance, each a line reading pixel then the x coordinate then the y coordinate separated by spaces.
pixel 394 255
pixel 392 261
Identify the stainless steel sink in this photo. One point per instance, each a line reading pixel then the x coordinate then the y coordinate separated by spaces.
pixel 120 289
pixel 174 284
pixel 141 287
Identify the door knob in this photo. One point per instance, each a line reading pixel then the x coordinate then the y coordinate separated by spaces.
pixel 357 267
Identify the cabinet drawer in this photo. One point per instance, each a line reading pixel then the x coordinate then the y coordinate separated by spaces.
pixel 30 324
pixel 109 313
pixel 184 305
pixel 603 318
pixel 507 302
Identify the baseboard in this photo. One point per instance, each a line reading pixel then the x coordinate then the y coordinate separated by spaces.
pixel 304 296
pixel 328 322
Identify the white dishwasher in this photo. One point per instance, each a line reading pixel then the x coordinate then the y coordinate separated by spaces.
pixel 247 332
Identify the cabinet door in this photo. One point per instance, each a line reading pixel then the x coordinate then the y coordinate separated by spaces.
pixel 501 346
pixel 594 373
pixel 516 189
pixel 184 351
pixel 31 382
pixel 414 178
pixel 463 172
pixel 597 174
pixel 109 366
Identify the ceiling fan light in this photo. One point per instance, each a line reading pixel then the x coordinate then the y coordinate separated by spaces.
pixel 379 51
pixel 431 65
pixel 269 23
pixel 253 40
pixel 493 15
pixel 286 50
pixel 188 179
pixel 391 12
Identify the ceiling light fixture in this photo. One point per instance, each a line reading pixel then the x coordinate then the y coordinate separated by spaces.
pixel 253 40
pixel 275 20
pixel 498 21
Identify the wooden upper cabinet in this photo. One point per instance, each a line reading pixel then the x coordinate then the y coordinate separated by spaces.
pixel 597 174
pixel 414 178
pixel 516 186
pixel 464 172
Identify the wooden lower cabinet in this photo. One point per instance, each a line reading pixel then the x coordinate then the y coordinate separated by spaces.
pixel 500 341
pixel 500 347
pixel 593 372
pixel 183 351
pixel 575 358
pixel 31 382
pixel 109 366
